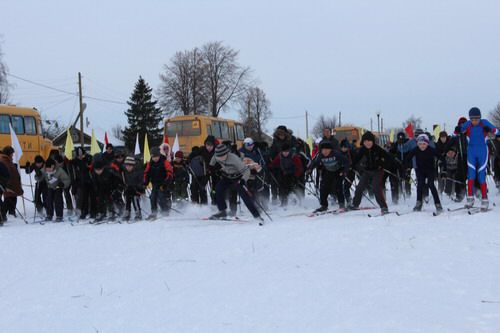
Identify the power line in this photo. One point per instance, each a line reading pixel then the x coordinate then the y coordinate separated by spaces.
pixel 65 91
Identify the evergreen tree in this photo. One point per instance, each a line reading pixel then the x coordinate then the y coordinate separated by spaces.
pixel 143 117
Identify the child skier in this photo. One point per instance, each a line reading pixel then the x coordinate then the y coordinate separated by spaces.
pixel 181 177
pixel 335 168
pixel 477 131
pixel 424 159
pixel 57 180
pixel 159 173
pixel 234 174
pixel 105 180
pixel 375 159
pixel 40 185
pixel 134 188
pixel 288 167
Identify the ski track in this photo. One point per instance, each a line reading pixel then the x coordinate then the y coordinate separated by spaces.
pixel 331 273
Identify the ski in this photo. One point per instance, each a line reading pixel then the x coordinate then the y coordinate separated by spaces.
pixel 436 213
pixel 381 214
pixel 230 219
pixel 338 211
pixel 478 210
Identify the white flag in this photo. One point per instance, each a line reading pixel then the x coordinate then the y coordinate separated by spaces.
pixel 137 147
pixel 175 147
pixel 18 152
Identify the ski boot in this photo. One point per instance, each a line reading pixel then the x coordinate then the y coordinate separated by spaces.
pixel 220 215
pixel 48 219
pixel 352 207
pixel 152 217
pixel 470 202
pixel 484 204
pixel 321 209
pixel 126 216
pixel 384 211
pixel 59 219
pixel 439 208
pixel 138 216
pixel 418 206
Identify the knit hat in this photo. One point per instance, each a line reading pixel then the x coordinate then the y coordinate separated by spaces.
pixel 210 139
pixel 282 128
pixel 129 160
pixel 423 138
pixel 221 150
pixel 461 120
pixel 99 164
pixel 368 136
pixel 39 159
pixel 179 154
pixel 325 144
pixel 475 113
pixel 155 152
pixel 248 141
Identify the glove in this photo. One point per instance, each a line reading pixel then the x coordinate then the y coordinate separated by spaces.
pixel 60 184
pixel 487 129
pixel 458 129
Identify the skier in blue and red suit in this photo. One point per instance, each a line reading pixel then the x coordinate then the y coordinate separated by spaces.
pixel 477 131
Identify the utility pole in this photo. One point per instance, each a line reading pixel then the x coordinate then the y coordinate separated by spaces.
pixel 307 126
pixel 340 118
pixel 381 124
pixel 81 108
pixel 378 121
pixel 371 124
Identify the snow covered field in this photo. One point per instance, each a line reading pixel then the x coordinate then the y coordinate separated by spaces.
pixel 346 273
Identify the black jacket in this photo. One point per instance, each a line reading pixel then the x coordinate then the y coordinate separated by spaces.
pixel 424 158
pixel 376 158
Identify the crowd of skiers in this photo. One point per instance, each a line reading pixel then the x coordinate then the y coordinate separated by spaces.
pixel 109 185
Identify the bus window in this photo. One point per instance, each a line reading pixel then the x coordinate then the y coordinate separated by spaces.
pixel 191 128
pixel 30 125
pixel 240 134
pixel 216 129
pixel 18 124
pixel 4 124
pixel 224 129
pixel 174 127
pixel 209 129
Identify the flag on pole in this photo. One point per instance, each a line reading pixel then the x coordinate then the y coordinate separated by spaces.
pixel 137 150
pixel 18 152
pixel 437 130
pixel 309 142
pixel 391 137
pixel 94 147
pixel 409 130
pixel 106 141
pixel 176 147
pixel 165 139
pixel 147 155
pixel 68 147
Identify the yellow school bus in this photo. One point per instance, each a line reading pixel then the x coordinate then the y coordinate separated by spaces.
pixel 193 129
pixel 355 133
pixel 26 123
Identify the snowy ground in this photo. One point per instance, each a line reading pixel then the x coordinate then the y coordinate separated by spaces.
pixel 347 273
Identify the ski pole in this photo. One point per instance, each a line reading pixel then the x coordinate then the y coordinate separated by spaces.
pixel 256 201
pixel 363 193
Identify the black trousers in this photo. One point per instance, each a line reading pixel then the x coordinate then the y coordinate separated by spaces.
pixel 426 179
pixel 287 185
pixel 40 196
pixel 199 190
pixel 132 199
pixel 224 185
pixel 54 202
pixel 331 182
pixel 160 196
pixel 375 179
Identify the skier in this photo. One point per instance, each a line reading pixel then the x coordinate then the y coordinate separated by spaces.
pixel 234 174
pixel 109 155
pixel 288 169
pixel 160 173
pixel 181 177
pixel 375 159
pixel 82 184
pixel 477 131
pixel 14 187
pixel 63 163
pixel 251 158
pixel 335 168
pixel 133 179
pixel 57 180
pixel 281 136
pixel 197 168
pixel 346 151
pixel 424 159
pixel 106 182
pixel 496 161
pixel 458 141
pixel 40 185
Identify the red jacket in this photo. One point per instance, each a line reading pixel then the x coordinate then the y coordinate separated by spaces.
pixel 289 166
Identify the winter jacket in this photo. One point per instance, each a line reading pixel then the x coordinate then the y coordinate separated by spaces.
pixel 333 162
pixel 288 166
pixel 4 177
pixel 424 159
pixel 133 181
pixel 108 181
pixel 232 168
pixel 180 172
pixel 158 173
pixel 14 182
pixel 376 158
pixel 58 179
pixel 278 143
pixel 81 171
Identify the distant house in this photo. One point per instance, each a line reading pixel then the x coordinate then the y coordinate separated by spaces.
pixel 60 140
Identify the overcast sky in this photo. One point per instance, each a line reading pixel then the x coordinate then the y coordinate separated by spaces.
pixel 433 59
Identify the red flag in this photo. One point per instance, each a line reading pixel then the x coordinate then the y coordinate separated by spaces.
pixel 106 138
pixel 165 140
pixel 409 130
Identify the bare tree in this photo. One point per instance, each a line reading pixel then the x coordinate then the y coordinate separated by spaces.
pixel 495 115
pixel 225 78
pixel 117 131
pixel 182 84
pixel 4 83
pixel 51 128
pixel 322 123
pixel 254 112
pixel 415 121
